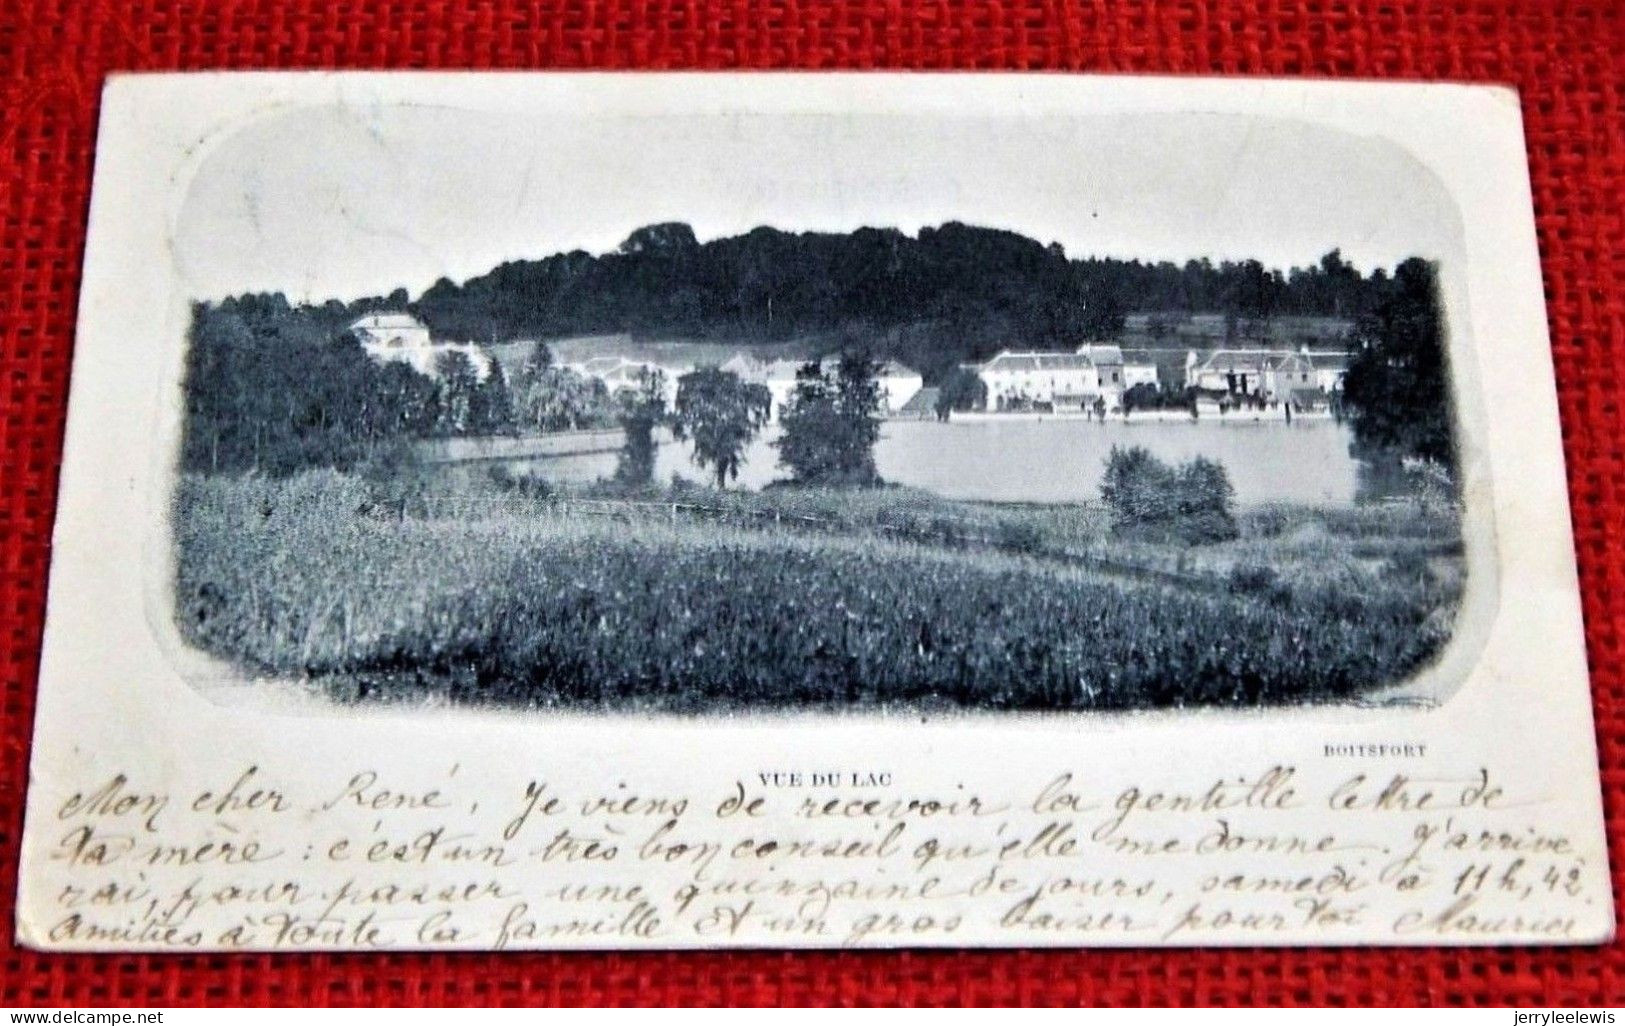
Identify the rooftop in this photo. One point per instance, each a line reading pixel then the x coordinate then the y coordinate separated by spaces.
pixel 1270 359
pixel 1034 361
pixel 388 320
pixel 1330 361
pixel 1102 354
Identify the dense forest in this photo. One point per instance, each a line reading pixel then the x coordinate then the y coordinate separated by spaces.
pixel 275 386
pixel 950 294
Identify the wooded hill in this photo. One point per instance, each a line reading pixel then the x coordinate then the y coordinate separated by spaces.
pixel 950 294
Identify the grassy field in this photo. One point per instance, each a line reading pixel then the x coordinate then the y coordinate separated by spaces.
pixel 892 599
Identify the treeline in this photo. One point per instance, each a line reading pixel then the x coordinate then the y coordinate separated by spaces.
pixel 272 392
pixel 827 433
pixel 276 389
pixel 950 294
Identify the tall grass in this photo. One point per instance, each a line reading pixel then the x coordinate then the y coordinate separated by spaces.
pixel 303 577
pixel 913 513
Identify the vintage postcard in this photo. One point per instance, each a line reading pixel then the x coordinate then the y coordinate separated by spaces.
pixel 663 511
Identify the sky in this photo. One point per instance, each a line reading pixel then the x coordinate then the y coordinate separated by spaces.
pixel 340 202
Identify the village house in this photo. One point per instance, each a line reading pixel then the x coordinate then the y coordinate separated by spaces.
pixel 398 337
pixel 391 330
pixel 1234 371
pixel 779 377
pixel 1140 368
pixel 1269 375
pixel 1330 369
pixel 1108 361
pixel 1060 381
pixel 1290 376
pixel 898 385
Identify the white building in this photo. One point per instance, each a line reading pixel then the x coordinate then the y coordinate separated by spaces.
pixel 398 337
pixel 618 372
pixel 1139 368
pixel 1267 373
pixel 1061 381
pixel 1290 376
pixel 391 330
pixel 780 378
pixel 1233 371
pixel 1109 364
pixel 1330 369
pixel 898 384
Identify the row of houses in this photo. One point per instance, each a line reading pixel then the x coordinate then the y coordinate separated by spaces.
pixel 1093 376
pixel 1089 377
pixel 1076 379
pixel 400 337
pixel 1271 374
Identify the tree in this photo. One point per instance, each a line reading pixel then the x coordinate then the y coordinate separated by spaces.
pixel 1251 291
pixel 1339 291
pixel 458 384
pixel 1137 488
pixel 721 414
pixel 859 403
pixel 1397 390
pixel 810 420
pixel 967 286
pixel 400 403
pixel 537 362
pixel 963 389
pixel 642 408
pixel 1103 313
pixel 277 389
pixel 833 423
pixel 491 410
pixel 672 238
pixel 1161 327
pixel 548 398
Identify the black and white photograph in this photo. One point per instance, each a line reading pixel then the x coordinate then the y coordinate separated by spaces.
pixel 763 414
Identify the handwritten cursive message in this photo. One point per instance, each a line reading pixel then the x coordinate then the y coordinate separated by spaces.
pixel 830 859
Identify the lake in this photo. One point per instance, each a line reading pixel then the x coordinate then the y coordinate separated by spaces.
pixel 1051 460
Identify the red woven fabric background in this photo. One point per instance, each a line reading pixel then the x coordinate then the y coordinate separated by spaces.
pixel 1566 58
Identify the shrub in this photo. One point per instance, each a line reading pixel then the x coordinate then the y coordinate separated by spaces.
pixel 1262 583
pixel 1138 487
pixel 1407 564
pixel 1019 536
pixel 1252 580
pixel 1144 396
pixel 527 486
pixel 1193 503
